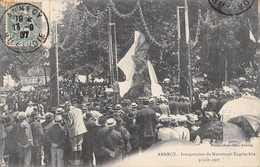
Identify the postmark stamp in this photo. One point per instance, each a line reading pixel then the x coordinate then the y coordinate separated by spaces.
pixel 26 27
pixel 231 7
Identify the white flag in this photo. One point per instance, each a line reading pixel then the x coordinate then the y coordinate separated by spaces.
pixel 251 36
pixel 155 87
pixel 127 65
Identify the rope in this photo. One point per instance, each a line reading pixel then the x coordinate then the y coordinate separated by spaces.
pixel 148 32
pixel 113 7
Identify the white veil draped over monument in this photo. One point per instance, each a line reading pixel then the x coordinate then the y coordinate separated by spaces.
pixel 127 65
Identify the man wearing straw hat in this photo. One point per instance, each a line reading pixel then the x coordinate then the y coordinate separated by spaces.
pixel 113 141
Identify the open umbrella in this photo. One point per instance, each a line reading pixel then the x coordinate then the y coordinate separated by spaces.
pixel 221 132
pixel 245 105
pixel 249 123
pixel 234 87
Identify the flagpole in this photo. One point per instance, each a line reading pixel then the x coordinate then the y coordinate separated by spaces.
pixel 116 52
pixel 57 61
pixel 187 28
pixel 179 37
pixel 110 48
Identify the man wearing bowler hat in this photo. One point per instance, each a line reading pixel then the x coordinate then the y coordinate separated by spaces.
pixel 147 120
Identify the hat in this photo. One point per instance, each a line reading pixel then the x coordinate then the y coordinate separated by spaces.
pixel 145 99
pixel 48 116
pixel 34 114
pixel 58 118
pixel 131 115
pixel 22 115
pixel 191 121
pixel 157 114
pixel 66 103
pixel 126 101
pixel 118 107
pixel 111 122
pixel 101 121
pixel 173 116
pixel 2 102
pixel 84 107
pixel 151 100
pixel 59 110
pixel 95 114
pixel 133 105
pixel 97 108
pixel 164 118
pixel 111 113
pixel 74 100
pixel 181 118
pixel 30 103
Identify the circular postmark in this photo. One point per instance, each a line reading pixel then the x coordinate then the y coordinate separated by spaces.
pixel 231 7
pixel 24 27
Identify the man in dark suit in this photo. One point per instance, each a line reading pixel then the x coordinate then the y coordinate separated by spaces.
pixel 154 106
pixel 174 105
pixel 185 107
pixel 108 144
pixel 113 140
pixel 147 120
pixel 38 137
pixel 213 103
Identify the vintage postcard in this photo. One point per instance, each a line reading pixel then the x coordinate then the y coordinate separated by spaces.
pixel 129 83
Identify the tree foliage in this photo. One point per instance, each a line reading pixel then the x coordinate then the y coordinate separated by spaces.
pixel 83 37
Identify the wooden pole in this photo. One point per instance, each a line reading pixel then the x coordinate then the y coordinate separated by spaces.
pixel 187 28
pixel 57 62
pixel 179 37
pixel 116 52
pixel 110 48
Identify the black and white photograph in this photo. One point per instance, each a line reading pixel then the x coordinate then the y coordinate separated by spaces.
pixel 129 83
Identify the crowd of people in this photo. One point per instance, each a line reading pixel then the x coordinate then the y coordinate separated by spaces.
pixel 97 130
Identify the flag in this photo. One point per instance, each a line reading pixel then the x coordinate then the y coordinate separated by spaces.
pixel 127 65
pixel 251 36
pixel 155 87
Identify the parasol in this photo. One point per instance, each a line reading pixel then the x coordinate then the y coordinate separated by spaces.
pixel 221 132
pixel 234 87
pixel 245 105
pixel 249 123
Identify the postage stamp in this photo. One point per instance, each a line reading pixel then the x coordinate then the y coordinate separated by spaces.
pixel 26 27
pixel 231 7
